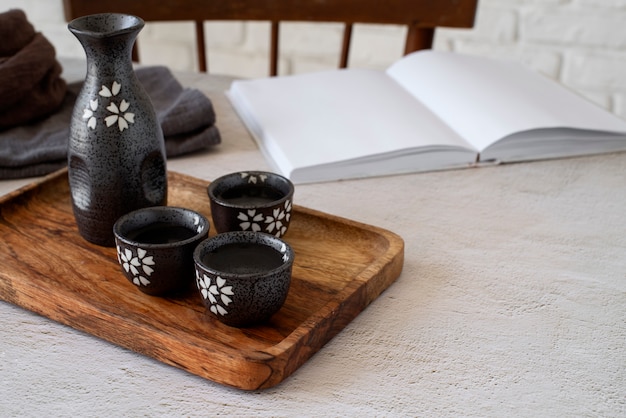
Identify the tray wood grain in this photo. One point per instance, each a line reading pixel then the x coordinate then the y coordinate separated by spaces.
pixel 340 267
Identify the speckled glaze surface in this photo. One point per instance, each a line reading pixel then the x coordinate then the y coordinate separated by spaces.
pixel 159 268
pixel 272 217
pixel 243 299
pixel 116 152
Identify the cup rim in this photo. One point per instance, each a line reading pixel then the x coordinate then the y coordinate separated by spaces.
pixel 215 184
pixel 252 237
pixel 202 221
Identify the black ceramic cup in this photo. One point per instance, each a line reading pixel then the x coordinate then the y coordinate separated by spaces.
pixel 257 201
pixel 155 247
pixel 243 277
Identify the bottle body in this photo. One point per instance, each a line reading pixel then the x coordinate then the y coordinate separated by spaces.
pixel 116 153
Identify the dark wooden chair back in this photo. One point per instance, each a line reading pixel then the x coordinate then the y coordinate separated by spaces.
pixel 420 16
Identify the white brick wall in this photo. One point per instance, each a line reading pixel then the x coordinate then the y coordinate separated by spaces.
pixel 581 43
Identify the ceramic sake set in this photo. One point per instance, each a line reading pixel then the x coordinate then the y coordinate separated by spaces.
pixel 118 186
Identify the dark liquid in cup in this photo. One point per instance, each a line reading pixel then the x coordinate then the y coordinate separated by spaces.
pixel 161 233
pixel 243 258
pixel 251 195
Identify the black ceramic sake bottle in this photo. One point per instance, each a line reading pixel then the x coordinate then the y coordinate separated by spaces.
pixel 116 155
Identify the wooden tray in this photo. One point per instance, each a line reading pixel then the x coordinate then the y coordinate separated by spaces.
pixel 340 267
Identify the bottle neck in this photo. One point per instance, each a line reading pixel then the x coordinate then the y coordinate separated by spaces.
pixel 108 56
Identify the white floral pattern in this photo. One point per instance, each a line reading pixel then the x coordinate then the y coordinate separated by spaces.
pixel 89 114
pixel 119 114
pixel 254 179
pixel 217 293
pixel 139 265
pixel 197 224
pixel 275 224
pixel 283 251
pixel 275 221
pixel 250 220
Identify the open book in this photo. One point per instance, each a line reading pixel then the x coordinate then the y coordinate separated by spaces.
pixel 428 111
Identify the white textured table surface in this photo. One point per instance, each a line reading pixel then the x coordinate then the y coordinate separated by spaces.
pixel 512 303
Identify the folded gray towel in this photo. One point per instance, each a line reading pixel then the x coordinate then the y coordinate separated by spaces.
pixel 186 116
